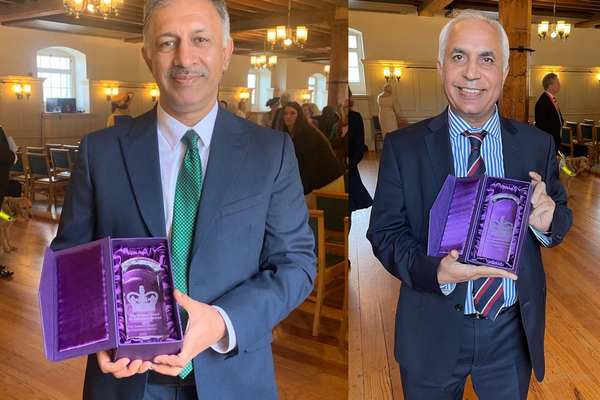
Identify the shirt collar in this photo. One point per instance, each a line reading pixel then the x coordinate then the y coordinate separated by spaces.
pixel 550 94
pixel 458 125
pixel 172 130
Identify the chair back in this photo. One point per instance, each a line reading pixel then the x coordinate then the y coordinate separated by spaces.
pixel 566 141
pixel 335 208
pixel 35 149
pixel 588 121
pixel 61 159
pixel 39 166
pixel 17 168
pixel 73 150
pixel 587 132
pixel 316 221
pixel 376 123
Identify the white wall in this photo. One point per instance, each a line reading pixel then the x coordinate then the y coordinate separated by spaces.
pixel 108 61
pixel 411 42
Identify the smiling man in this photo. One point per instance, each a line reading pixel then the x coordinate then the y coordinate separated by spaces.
pixel 444 331
pixel 226 192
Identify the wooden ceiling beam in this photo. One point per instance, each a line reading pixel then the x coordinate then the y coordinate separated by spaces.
pixel 31 10
pixel 591 23
pixel 269 21
pixel 93 21
pixel 431 7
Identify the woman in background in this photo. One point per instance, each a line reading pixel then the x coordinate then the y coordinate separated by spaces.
pixel 316 161
pixel 311 112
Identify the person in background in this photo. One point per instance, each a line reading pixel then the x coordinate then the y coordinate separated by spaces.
pixel 311 112
pixel 223 104
pixel 8 157
pixel 547 112
pixel 359 197
pixel 388 118
pixel 267 118
pixel 327 121
pixel 278 119
pixel 242 109
pixel 316 160
pixel 120 110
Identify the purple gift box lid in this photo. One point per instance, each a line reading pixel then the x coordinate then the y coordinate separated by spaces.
pixel 458 217
pixel 80 282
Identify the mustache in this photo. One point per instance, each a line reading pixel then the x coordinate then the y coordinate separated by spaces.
pixel 192 71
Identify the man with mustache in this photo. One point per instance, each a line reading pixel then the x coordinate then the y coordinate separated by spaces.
pixel 226 193
pixel 445 330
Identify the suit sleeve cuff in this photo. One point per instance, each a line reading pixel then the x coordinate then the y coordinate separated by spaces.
pixel 543 237
pixel 228 342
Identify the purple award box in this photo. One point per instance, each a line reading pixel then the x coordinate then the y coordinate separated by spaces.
pixel 483 218
pixel 110 294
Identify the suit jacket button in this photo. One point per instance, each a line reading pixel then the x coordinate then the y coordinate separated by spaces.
pixel 458 307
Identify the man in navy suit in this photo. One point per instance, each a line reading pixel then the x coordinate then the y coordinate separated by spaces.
pixel 547 112
pixel 444 331
pixel 251 253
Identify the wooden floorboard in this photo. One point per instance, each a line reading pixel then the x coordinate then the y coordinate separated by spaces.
pixel 307 368
pixel 573 307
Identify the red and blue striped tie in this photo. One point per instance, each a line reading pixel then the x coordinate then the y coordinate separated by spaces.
pixel 488 293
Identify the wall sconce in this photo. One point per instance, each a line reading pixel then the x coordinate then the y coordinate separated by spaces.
pixel 327 69
pixel 109 92
pixel 21 89
pixel 598 77
pixel 244 96
pixel 386 74
pixel 154 92
pixel 397 74
pixel 305 97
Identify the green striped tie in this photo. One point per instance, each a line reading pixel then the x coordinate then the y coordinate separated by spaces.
pixel 187 198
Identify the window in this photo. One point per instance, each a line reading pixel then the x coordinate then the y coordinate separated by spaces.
pixel 356 71
pixel 64 71
pixel 252 86
pixel 58 71
pixel 317 87
pixel 259 86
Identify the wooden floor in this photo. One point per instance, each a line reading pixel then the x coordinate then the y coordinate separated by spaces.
pixel 573 307
pixel 307 368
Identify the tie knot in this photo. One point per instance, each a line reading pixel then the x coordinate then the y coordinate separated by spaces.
pixel 190 138
pixel 475 137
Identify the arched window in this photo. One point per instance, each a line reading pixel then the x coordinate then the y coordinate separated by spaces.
pixel 65 76
pixel 317 87
pixel 259 86
pixel 356 69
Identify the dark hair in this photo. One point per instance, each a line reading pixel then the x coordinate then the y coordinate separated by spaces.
pixel 272 101
pixel 301 124
pixel 548 80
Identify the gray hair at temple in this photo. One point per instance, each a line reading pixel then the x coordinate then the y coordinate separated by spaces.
pixel 548 80
pixel 474 15
pixel 219 5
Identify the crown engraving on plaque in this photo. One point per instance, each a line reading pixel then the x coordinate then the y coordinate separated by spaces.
pixel 142 301
pixel 502 229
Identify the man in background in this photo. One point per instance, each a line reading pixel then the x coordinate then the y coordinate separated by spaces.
pixel 547 112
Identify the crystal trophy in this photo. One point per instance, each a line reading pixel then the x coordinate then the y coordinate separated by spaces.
pixel 498 232
pixel 143 299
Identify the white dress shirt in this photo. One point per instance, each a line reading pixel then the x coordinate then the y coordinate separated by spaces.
pixel 171 151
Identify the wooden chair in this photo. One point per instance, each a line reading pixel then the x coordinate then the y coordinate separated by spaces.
pixel 35 149
pixel 590 140
pixel 18 172
pixel 329 267
pixel 42 179
pixel 74 150
pixel 343 332
pixel 574 127
pixel 60 161
pixel 589 121
pixel 336 208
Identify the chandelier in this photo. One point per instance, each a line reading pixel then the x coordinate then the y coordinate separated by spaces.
pixel 101 7
pixel 559 29
pixel 283 36
pixel 263 61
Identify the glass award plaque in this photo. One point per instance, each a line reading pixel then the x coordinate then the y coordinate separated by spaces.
pixel 498 231
pixel 143 299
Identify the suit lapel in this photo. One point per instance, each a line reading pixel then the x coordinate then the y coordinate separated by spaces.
pixel 437 141
pixel 228 150
pixel 511 153
pixel 140 149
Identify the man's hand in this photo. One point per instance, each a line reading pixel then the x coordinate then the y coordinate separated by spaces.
pixel 543 205
pixel 451 271
pixel 121 368
pixel 205 327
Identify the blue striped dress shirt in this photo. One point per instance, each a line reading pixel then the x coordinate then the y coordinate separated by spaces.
pixel 491 152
